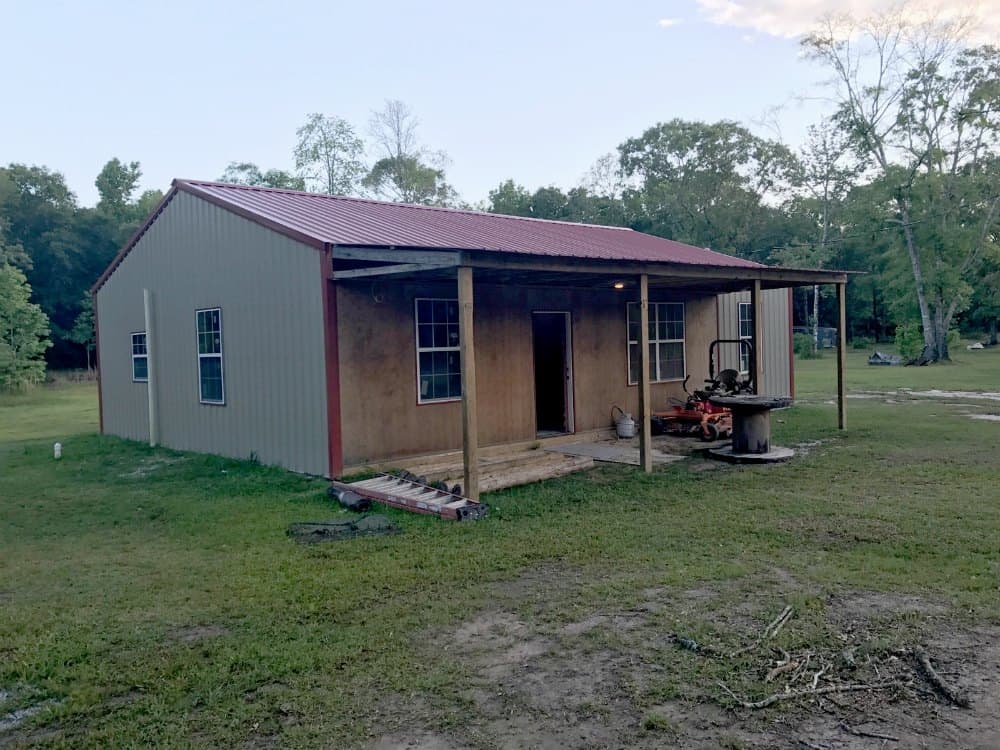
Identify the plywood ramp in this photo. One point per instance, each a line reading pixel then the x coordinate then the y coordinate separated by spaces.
pixel 498 472
pixel 500 466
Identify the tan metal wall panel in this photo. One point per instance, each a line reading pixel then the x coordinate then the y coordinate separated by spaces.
pixel 380 414
pixel 774 349
pixel 194 256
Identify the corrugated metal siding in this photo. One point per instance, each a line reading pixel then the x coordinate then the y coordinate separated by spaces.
pixel 195 256
pixel 777 377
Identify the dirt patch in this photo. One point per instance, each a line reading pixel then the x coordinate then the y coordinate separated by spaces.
pixel 418 740
pixel 150 466
pixel 196 633
pixel 985 417
pixel 14 719
pixel 880 605
pixel 934 393
pixel 598 680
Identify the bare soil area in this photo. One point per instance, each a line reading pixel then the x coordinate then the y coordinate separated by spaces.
pixel 540 673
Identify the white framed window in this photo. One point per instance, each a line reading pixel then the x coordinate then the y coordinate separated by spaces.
pixel 666 341
pixel 745 321
pixel 439 368
pixel 140 358
pixel 211 383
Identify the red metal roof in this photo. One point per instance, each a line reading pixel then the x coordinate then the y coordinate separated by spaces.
pixel 359 222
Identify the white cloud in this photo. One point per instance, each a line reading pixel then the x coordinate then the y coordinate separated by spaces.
pixel 666 23
pixel 792 18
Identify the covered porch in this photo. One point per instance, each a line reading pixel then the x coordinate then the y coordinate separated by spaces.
pixel 469 272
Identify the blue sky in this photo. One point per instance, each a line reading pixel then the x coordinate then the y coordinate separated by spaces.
pixel 535 91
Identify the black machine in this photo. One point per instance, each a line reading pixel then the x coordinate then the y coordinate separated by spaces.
pixel 728 381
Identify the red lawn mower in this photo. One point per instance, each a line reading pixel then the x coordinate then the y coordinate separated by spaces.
pixel 696 415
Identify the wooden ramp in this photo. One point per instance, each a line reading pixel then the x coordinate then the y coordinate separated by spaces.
pixel 504 470
pixel 417 497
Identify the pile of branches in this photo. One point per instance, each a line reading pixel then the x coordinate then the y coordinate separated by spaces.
pixel 810 673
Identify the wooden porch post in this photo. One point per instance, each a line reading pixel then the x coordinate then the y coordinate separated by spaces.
pixel 467 349
pixel 645 425
pixel 757 305
pixel 842 357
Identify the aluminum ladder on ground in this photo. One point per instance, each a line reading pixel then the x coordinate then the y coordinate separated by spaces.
pixel 416 497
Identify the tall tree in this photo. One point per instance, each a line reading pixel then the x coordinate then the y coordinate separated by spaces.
pixel 713 185
pixel 84 332
pixel 328 155
pixel 23 332
pixel 116 183
pixel 826 174
pixel 925 111
pixel 405 170
pixel 510 198
pixel 248 173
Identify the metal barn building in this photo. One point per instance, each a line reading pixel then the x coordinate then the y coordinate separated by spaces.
pixel 320 333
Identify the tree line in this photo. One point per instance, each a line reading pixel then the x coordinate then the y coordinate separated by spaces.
pixel 901 181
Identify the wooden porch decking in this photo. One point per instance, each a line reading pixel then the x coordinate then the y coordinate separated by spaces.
pixel 514 464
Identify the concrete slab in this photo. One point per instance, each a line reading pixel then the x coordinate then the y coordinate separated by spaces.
pixel 618 452
pixel 774 455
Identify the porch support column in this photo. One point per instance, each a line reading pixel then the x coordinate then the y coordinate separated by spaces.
pixel 756 303
pixel 152 360
pixel 645 406
pixel 842 356
pixel 470 417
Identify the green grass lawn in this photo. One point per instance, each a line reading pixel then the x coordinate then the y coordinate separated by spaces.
pixel 155 599
pixel 975 370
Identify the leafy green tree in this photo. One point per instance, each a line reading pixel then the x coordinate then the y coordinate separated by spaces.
pixel 510 198
pixel 825 176
pixel 926 112
pixel 406 171
pixel 328 155
pixel 24 332
pixel 63 248
pixel 712 185
pixel 551 202
pixel 409 180
pixel 248 173
pixel 83 331
pixel 12 253
pixel 116 183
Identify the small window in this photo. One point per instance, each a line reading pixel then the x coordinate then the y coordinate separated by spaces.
pixel 746 334
pixel 140 358
pixel 439 368
pixel 666 342
pixel 211 383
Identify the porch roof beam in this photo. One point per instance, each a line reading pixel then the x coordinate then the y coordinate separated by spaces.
pixel 659 273
pixel 395 255
pixel 769 277
pixel 390 270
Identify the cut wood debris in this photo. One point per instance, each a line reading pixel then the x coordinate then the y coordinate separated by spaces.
pixel 813 672
pixel 942 687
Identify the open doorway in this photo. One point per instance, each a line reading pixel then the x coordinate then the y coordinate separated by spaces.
pixel 553 350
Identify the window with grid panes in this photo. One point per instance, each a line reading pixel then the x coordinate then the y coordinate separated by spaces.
pixel 746 333
pixel 211 382
pixel 666 341
pixel 140 358
pixel 439 370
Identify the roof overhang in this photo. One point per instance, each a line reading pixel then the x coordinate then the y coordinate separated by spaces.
pixel 419 264
pixel 506 267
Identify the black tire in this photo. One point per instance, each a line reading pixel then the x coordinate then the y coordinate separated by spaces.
pixel 710 434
